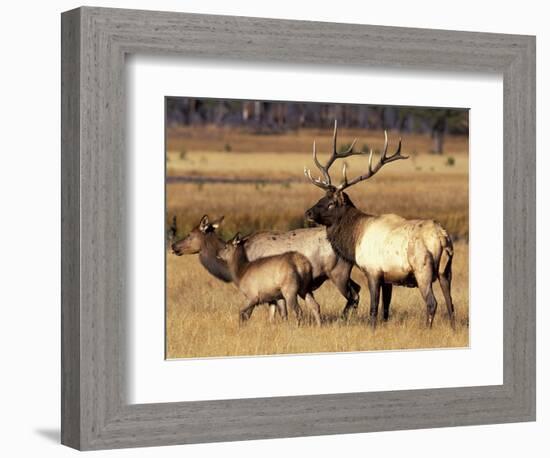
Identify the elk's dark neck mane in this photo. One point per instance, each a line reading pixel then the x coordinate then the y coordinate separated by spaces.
pixel 238 264
pixel 208 257
pixel 344 235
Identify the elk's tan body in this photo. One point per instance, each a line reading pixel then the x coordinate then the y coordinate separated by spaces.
pixel 265 279
pixel 396 248
pixel 311 243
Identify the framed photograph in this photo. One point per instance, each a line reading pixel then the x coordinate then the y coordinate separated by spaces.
pixel 268 234
pixel 237 198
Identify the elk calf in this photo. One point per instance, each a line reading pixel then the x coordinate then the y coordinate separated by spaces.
pixel 283 276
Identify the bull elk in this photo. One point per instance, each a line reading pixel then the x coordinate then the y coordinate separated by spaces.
pixel 310 242
pixel 389 249
pixel 266 280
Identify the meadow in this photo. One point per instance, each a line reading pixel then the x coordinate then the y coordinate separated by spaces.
pixel 202 312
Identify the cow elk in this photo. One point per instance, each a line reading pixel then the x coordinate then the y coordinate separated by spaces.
pixel 279 277
pixel 310 242
pixel 204 241
pixel 389 249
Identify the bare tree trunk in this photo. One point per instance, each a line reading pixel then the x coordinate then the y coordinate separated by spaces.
pixel 438 139
pixel 438 133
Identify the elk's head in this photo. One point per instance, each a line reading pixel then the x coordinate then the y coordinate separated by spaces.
pixel 228 251
pixel 329 209
pixel 194 241
pixel 332 207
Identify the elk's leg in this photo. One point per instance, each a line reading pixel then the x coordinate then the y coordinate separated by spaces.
pixel 425 287
pixel 314 307
pixel 353 291
pixel 431 305
pixel 423 269
pixel 445 283
pixel 281 305
pixel 292 302
pixel 352 295
pixel 340 276
pixel 272 311
pixel 386 299
pixel 374 287
pixel 244 314
pixel 277 306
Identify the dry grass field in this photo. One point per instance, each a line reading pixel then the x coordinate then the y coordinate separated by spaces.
pixel 202 312
pixel 202 318
pixel 211 138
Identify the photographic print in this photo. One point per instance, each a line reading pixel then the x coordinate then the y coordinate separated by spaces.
pixel 305 227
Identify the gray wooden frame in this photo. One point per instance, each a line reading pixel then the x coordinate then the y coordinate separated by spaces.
pixel 95 413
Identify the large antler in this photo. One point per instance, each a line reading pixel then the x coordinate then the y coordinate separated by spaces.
pixel 326 182
pixel 384 159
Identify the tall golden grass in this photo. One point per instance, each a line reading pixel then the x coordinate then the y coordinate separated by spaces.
pixel 202 318
pixel 202 312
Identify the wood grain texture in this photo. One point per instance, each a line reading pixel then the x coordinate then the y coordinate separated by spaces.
pixel 96 413
pixel 70 229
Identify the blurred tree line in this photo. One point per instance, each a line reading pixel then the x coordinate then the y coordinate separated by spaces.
pixel 276 117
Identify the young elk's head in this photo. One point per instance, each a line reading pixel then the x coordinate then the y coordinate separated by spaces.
pixel 228 251
pixel 192 244
pixel 330 208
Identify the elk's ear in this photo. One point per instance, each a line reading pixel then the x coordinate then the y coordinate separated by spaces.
pixel 216 224
pixel 203 225
pixel 237 239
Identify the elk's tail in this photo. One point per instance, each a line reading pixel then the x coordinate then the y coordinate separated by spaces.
pixel 447 252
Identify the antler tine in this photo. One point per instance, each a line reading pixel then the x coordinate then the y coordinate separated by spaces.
pixel 344 174
pixel 334 154
pixel 339 155
pixel 349 151
pixel 397 155
pixel 370 161
pixel 384 159
pixel 317 181
pixel 326 183
pixel 323 170
pixel 323 184
pixel 334 136
pixel 385 145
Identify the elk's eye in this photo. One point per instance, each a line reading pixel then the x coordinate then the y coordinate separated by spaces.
pixel 331 206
